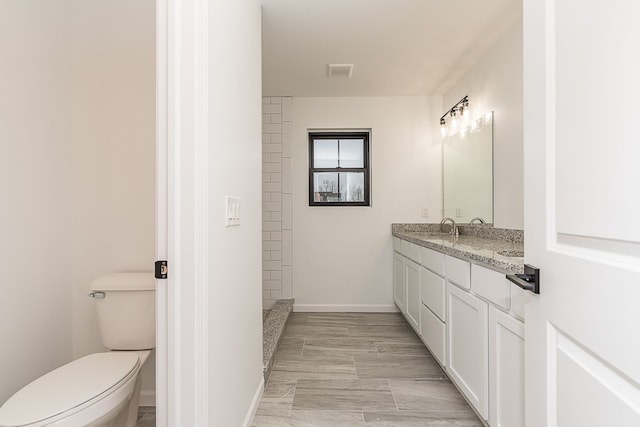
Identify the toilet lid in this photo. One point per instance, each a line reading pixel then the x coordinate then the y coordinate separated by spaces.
pixel 67 387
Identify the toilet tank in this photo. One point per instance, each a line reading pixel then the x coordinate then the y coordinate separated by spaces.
pixel 127 313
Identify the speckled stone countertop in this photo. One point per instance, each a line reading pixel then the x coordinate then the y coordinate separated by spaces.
pixel 481 244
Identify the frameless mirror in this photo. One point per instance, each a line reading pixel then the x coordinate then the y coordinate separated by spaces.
pixel 467 164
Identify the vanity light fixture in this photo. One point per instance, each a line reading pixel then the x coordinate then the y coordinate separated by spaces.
pixel 461 107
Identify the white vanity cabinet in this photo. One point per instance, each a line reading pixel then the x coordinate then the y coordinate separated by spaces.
pixel 413 294
pixel 506 367
pixel 467 349
pixel 471 319
pixel 399 282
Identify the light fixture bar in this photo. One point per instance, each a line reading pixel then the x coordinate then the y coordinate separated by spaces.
pixel 458 106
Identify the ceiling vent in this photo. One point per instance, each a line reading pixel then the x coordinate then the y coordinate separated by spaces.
pixel 340 71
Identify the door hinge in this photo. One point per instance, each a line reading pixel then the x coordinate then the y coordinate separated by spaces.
pixel 161 269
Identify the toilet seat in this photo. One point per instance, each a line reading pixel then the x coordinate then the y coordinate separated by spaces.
pixel 71 388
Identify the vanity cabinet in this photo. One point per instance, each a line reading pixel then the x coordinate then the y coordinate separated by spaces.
pixel 470 317
pixel 413 294
pixel 399 285
pixel 467 349
pixel 506 367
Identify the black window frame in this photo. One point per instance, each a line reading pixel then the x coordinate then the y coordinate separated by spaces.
pixel 365 136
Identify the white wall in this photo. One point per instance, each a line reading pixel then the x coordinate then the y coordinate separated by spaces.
pixel 234 365
pixel 342 255
pixel 113 131
pixel 494 83
pixel 35 191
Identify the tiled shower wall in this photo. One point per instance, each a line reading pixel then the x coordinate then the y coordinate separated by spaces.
pixel 277 260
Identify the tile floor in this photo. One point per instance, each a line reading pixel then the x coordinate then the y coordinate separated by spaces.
pixel 146 416
pixel 358 370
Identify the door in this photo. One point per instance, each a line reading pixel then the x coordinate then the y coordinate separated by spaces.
pixel 582 199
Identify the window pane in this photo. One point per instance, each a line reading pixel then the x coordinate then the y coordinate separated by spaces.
pixel 326 187
pixel 325 153
pixel 338 187
pixel 353 185
pixel 351 153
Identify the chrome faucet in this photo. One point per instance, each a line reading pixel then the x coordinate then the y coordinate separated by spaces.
pixel 480 220
pixel 453 225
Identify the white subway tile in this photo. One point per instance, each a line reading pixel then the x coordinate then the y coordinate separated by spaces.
pixel 266 275
pixel 276 294
pixel 287 200
pixel 275 118
pixel 276 100
pixel 272 186
pixel 266 118
pixel 272 246
pixel 271 265
pixel 272 128
pixel 266 197
pixel 272 109
pixel 275 177
pixel 266 294
pixel 266 157
pixel 276 138
pixel 266 138
pixel 287 103
pixel 287 253
pixel 272 206
pixel 276 216
pixel 266 177
pixel 275 158
pixel 272 284
pixel 276 275
pixel 266 100
pixel 266 236
pixel 266 255
pixel 272 226
pixel 287 139
pixel 271 167
pixel 276 255
pixel 275 236
pixel 276 197
pixel 286 176
pixel 287 281
pixel 272 148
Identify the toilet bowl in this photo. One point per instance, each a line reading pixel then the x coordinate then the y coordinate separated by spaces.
pixel 101 389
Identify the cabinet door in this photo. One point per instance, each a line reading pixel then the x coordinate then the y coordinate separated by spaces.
pixel 506 367
pixel 467 353
pixel 399 282
pixel 413 294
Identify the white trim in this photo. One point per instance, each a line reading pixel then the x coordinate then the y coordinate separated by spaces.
pixel 161 394
pixel 345 308
pixel 248 419
pixel 148 398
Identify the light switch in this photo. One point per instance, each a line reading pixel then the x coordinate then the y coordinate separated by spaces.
pixel 233 211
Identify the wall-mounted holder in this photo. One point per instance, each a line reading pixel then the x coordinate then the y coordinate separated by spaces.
pixel 529 281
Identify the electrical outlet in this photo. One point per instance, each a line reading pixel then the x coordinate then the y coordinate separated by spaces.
pixel 459 213
pixel 425 212
pixel 232 214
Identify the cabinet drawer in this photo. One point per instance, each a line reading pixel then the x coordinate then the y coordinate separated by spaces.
pixel 433 260
pixel 410 250
pixel 434 334
pixel 491 285
pixel 518 300
pixel 397 246
pixel 458 271
pixel 433 292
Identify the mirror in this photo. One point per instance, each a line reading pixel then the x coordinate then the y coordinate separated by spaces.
pixel 467 165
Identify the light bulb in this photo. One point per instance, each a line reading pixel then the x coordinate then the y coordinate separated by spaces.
pixel 487 117
pixel 443 130
pixel 463 132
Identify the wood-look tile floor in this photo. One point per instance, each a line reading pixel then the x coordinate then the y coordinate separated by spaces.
pixel 358 370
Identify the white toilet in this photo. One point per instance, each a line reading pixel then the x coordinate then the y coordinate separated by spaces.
pixel 101 389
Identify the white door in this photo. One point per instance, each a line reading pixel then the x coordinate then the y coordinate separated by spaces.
pixel 582 199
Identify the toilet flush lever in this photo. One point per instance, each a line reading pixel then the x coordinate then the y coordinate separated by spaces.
pixel 97 295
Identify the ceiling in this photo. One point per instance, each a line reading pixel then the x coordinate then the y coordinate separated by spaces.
pixel 398 47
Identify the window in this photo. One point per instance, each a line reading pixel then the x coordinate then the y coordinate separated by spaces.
pixel 339 169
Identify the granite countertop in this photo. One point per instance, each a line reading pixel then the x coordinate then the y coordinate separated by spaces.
pixel 488 246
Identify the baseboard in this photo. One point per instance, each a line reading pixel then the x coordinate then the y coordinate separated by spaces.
pixel 248 420
pixel 344 308
pixel 147 398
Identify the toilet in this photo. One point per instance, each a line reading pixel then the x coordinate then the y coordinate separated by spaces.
pixel 101 389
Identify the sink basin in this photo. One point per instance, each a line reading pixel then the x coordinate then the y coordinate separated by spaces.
pixel 511 253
